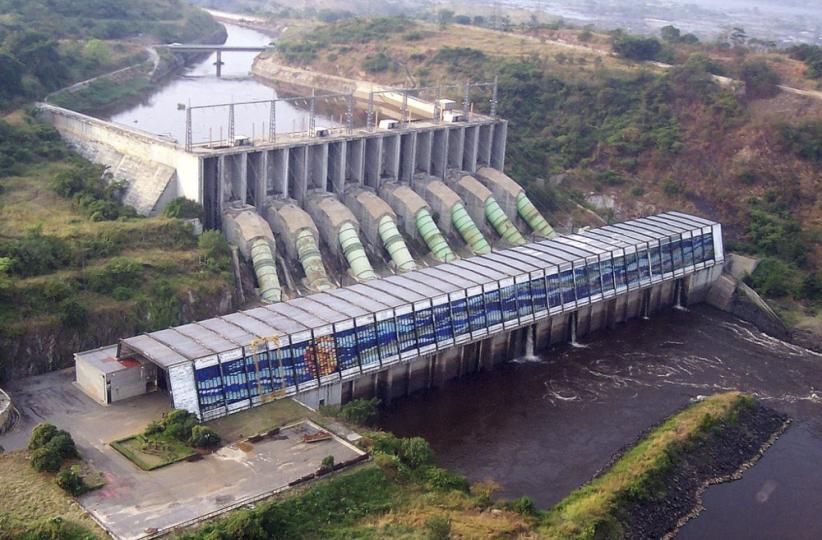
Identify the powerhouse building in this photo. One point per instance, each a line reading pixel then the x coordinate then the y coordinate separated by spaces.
pixel 230 363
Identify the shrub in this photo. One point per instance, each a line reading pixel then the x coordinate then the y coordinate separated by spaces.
pixel 73 314
pixel 363 412
pixel 444 480
pixel 35 253
pixel 774 278
pixel 183 208
pixel 215 249
pixel 376 63
pixel 63 445
pixel 46 459
pixel 804 140
pixel 153 428
pixel 670 187
pixel 204 437
pixel 70 480
pixel 178 424
pixel 389 464
pixel 41 435
pixel 327 463
pixel 523 505
pixel 761 81
pixel 386 443
pixel 438 528
pixel 637 48
pixel 415 452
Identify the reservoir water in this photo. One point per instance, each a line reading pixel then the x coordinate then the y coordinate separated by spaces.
pixel 541 428
pixel 160 113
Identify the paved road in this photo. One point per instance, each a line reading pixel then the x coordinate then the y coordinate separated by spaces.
pixel 134 500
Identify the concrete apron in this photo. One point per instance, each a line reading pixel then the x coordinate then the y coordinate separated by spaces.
pixel 434 370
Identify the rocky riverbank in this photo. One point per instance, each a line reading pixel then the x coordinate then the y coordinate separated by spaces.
pixel 720 454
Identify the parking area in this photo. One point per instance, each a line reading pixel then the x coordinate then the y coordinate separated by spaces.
pixel 134 502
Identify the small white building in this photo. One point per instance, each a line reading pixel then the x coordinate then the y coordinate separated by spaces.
pixel 106 379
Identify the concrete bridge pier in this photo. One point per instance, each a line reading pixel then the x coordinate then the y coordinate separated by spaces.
pixel 219 63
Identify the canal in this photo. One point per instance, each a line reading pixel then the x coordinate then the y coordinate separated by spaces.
pixel 541 428
pixel 163 111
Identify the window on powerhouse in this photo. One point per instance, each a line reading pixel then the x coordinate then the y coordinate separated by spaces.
pixel 244 378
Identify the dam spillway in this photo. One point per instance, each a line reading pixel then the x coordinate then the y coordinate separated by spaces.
pixel 390 336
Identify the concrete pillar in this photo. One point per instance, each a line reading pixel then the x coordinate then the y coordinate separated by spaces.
pixel 456 146
pixel 278 161
pixel 223 180
pixel 560 328
pixel 210 195
pixel 297 172
pixel 219 63
pixel 500 137
pixel 469 156
pixel 257 165
pixel 439 152
pixel 336 166
pixel 390 168
pixel 408 155
pixel 318 166
pixel 373 161
pixel 542 334
pixel 423 151
pixel 484 144
pixel 354 160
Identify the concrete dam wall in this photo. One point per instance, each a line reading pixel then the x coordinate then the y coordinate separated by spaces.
pixel 155 169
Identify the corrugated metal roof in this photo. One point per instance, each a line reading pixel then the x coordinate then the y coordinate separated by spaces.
pixel 229 332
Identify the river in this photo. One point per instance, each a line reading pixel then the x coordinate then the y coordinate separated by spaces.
pixel 542 428
pixel 198 84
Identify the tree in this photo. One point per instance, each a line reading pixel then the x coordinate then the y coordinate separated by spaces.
pixel 183 208
pixel 11 75
pixel 670 33
pixel 445 17
pixel 204 437
pixel 71 481
pixel 637 48
pixel 41 435
pixel 761 81
pixel 737 37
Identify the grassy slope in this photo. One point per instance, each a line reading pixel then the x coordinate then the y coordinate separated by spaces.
pixel 174 282
pixel 28 496
pixel 577 515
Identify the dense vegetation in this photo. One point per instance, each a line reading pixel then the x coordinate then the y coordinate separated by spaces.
pixel 812 56
pixel 89 252
pixel 46 44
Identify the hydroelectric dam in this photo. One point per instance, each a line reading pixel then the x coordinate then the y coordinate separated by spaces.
pixel 388 257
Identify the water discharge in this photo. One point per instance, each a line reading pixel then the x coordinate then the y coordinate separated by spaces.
pixel 543 428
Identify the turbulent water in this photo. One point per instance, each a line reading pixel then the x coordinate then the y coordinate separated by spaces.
pixel 541 428
pixel 198 85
